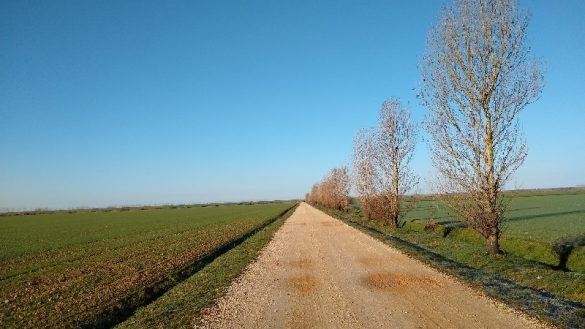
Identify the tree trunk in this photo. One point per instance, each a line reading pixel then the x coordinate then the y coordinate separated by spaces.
pixel 395 200
pixel 394 221
pixel 563 258
pixel 493 190
pixel 493 242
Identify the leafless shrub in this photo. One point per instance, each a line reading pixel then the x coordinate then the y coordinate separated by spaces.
pixel 333 191
pixel 477 76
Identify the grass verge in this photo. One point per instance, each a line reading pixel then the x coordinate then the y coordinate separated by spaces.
pixel 532 287
pixel 182 305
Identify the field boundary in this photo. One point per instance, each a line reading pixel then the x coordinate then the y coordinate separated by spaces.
pixel 125 308
pixel 539 303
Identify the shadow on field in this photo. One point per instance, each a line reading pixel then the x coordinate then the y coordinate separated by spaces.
pixel 550 214
pixel 427 218
pixel 521 209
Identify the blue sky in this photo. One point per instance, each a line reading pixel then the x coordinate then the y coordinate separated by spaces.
pixel 141 102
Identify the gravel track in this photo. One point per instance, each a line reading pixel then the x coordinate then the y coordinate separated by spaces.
pixel 318 272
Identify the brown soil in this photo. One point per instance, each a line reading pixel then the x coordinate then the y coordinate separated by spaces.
pixel 390 281
pixel 318 272
pixel 303 283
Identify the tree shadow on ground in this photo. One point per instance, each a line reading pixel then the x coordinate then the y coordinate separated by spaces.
pixel 551 214
pixel 522 209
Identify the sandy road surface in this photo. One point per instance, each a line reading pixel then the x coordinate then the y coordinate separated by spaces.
pixel 318 272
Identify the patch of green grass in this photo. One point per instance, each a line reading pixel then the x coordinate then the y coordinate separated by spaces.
pixel 577 260
pixel 532 250
pixel 182 305
pixel 63 269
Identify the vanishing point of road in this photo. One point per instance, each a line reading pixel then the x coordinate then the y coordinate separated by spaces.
pixel 318 272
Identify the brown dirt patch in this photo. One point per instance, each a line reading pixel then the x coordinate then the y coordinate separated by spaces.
pixel 302 263
pixel 304 283
pixel 388 281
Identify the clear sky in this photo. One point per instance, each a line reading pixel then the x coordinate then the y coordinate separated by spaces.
pixel 147 102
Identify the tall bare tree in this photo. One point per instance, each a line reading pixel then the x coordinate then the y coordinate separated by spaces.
pixel 340 182
pixel 381 162
pixel 477 75
pixel 364 170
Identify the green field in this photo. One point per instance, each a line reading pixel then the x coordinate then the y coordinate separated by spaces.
pixel 536 216
pixel 70 269
pixel 546 217
pixel 181 307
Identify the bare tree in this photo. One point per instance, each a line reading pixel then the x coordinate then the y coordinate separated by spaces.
pixel 477 76
pixel 396 141
pixel 340 182
pixel 364 170
pixel 381 162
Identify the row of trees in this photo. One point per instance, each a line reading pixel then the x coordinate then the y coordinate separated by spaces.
pixel 477 75
pixel 333 190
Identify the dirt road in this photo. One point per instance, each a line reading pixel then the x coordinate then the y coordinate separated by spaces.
pixel 318 272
